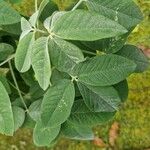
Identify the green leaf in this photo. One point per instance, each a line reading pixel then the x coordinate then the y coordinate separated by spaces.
pixel 57 103
pixel 109 45
pixel 35 110
pixel 100 99
pixel 56 16
pixel 25 25
pixel 7 14
pixel 50 21
pixel 43 136
pixel 29 78
pixel 28 122
pixel 13 29
pixel 42 6
pixel 33 19
pixel 18 102
pixel 19 117
pixel 41 62
pixel 6 114
pixel 76 132
pixel 82 116
pixel 3 79
pixel 64 55
pixel 125 12
pixel 36 91
pixel 48 10
pixel 122 88
pixel 86 26
pixel 104 70
pixel 23 53
pixel 5 51
pixel 136 55
pixel 57 76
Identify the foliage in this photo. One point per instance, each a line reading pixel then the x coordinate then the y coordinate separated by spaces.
pixel 64 49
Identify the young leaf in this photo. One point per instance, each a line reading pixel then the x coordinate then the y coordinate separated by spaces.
pixel 5 51
pixel 35 110
pixel 33 19
pixel 7 14
pixel 41 62
pixel 64 55
pixel 23 53
pixel 136 55
pixel 56 16
pixel 104 70
pixel 76 132
pixel 92 27
pixel 82 116
pixel 6 114
pixel 19 117
pixel 57 103
pixel 125 12
pixel 25 25
pixel 100 99
pixel 43 136
pixel 122 88
pixel 50 21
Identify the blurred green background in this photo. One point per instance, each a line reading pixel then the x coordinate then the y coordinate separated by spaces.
pixel 130 130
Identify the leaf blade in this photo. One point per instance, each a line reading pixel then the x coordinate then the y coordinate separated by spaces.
pixel 23 53
pixel 7 14
pixel 19 117
pixel 57 103
pixel 6 114
pixel 43 136
pixel 100 99
pixel 75 132
pixel 41 62
pixel 104 70
pixel 92 27
pixel 64 55
pixel 124 12
pixel 82 116
pixel 135 54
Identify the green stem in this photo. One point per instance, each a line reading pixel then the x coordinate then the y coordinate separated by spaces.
pixel 87 52
pixel 16 88
pixel 8 59
pixel 77 5
pixel 41 31
pixel 16 84
pixel 36 5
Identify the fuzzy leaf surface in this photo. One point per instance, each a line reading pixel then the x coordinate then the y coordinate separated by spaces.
pixel 6 114
pixel 104 70
pixel 57 103
pixel 41 62
pixel 86 26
